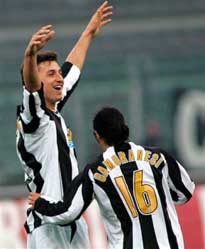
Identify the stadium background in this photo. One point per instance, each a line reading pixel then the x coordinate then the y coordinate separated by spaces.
pixel 149 63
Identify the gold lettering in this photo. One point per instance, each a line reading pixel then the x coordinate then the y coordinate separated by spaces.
pixel 145 194
pixel 120 181
pixel 100 177
pixel 154 159
pixel 108 164
pixel 103 170
pixel 131 156
pixel 147 155
pixel 18 125
pixel 122 157
pixel 116 160
pixel 139 155
pixel 157 164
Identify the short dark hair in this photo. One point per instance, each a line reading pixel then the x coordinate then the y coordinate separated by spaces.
pixel 41 57
pixel 46 56
pixel 109 123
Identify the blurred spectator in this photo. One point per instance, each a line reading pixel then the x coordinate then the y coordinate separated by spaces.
pixel 152 134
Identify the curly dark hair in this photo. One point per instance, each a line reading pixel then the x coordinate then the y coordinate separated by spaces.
pixel 109 123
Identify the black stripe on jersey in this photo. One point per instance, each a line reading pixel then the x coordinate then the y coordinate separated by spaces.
pixel 19 109
pixel 37 220
pixel 26 227
pixel 62 102
pixel 87 188
pixel 75 153
pixel 148 232
pixel 41 95
pixel 29 210
pixel 28 187
pixel 73 230
pixel 119 210
pixel 49 209
pixel 32 163
pixel 158 181
pixel 174 195
pixel 65 70
pixel 146 223
pixel 34 124
pixel 63 153
pixel 38 180
pixel 117 205
pixel 174 173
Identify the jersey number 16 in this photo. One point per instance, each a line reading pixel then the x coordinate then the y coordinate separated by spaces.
pixel 144 195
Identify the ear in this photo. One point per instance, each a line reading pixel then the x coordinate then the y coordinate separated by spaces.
pixel 97 136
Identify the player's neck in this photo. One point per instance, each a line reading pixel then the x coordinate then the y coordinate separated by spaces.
pixel 103 145
pixel 51 106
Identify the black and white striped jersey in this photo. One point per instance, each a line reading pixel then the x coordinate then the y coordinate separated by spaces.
pixel 44 144
pixel 136 189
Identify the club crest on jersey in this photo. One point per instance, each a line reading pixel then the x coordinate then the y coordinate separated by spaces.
pixel 70 138
pixel 18 125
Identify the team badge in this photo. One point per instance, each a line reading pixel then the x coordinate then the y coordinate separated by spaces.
pixel 70 138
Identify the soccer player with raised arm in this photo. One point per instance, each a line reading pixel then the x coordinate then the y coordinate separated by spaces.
pixel 136 188
pixel 44 144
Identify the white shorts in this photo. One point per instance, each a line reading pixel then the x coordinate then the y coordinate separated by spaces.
pixel 51 236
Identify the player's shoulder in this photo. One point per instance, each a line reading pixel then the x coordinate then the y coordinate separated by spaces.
pixel 154 149
pixel 157 150
pixel 95 163
pixel 166 156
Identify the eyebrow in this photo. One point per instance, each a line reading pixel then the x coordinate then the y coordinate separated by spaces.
pixel 53 70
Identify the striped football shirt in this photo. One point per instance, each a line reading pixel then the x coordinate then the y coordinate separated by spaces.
pixel 136 189
pixel 44 144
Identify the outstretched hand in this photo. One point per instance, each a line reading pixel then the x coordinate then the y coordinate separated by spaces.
pixel 32 197
pixel 39 40
pixel 101 18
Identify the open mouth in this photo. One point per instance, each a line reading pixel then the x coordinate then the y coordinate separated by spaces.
pixel 58 87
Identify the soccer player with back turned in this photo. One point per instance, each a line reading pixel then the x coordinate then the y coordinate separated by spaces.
pixel 136 188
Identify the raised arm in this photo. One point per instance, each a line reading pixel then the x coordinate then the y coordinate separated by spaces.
pixel 30 69
pixel 98 20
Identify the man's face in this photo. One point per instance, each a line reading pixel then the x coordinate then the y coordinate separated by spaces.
pixel 51 76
